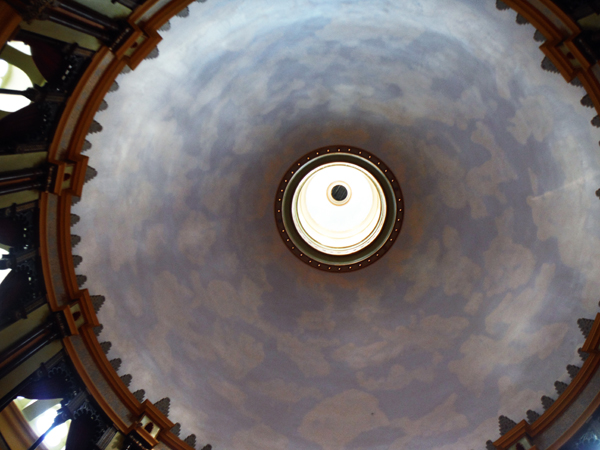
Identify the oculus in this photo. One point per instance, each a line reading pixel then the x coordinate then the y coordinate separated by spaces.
pixel 339 208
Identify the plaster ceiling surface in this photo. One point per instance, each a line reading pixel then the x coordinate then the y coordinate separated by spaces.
pixel 471 314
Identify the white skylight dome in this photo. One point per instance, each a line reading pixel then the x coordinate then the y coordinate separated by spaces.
pixel 339 208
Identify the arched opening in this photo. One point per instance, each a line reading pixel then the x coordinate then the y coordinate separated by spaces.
pixel 31 418
pixel 15 79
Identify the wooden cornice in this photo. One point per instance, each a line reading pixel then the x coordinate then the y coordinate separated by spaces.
pixel 152 40
pixel 165 13
pixel 141 10
pixel 72 101
pixel 172 441
pixel 577 424
pixel 593 340
pixel 78 176
pixel 91 386
pixel 65 250
pixel 9 22
pixel 577 385
pixel 146 436
pixel 110 375
pixel 539 20
pixel 156 416
pixel 44 251
pixel 514 435
pixel 560 405
pixel 87 309
pixel 92 105
pixel 151 28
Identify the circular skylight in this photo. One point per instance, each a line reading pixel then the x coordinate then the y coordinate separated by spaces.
pixel 339 208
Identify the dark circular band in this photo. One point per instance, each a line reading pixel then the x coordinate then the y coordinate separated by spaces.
pixel 339 263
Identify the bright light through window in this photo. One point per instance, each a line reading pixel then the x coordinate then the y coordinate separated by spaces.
pixel 22 47
pixel 11 77
pixel 3 273
pixel 44 421
pixel 3 69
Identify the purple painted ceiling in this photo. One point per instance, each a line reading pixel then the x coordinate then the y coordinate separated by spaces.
pixel 472 313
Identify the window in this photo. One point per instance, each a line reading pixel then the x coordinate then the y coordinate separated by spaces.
pixel 11 77
pixel 40 415
pixel 3 273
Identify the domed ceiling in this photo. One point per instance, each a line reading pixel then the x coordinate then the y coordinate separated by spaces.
pixel 471 314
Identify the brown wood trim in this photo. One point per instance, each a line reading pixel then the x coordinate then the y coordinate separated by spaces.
pixel 91 107
pixel 65 251
pixel 43 250
pixel 152 40
pixel 166 13
pixel 170 440
pixel 575 388
pixel 569 396
pixel 156 416
pixel 537 19
pixel 593 340
pixel 78 176
pixel 72 326
pixel 72 101
pixel 87 309
pixel 576 52
pixel 513 436
pixel 560 60
pixel 91 387
pixel 150 29
pixel 554 36
pixel 25 347
pixel 60 174
pixel 109 374
pixel 591 86
pixel 561 15
pixel 9 22
pixel 141 10
pixel 576 425
pixel 131 40
pixel 147 436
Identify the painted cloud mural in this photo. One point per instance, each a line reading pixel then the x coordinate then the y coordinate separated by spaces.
pixel 472 313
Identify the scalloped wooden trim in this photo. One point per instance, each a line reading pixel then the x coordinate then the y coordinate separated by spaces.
pixel 589 368
pixel 91 387
pixel 91 107
pixel 65 251
pixel 513 436
pixel 592 342
pixel 72 101
pixel 152 40
pixel 539 20
pixel 111 376
pixel 579 422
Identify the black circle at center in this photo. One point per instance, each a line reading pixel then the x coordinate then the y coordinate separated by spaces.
pixel 339 192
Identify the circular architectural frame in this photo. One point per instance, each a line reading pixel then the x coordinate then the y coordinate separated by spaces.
pixel 376 168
